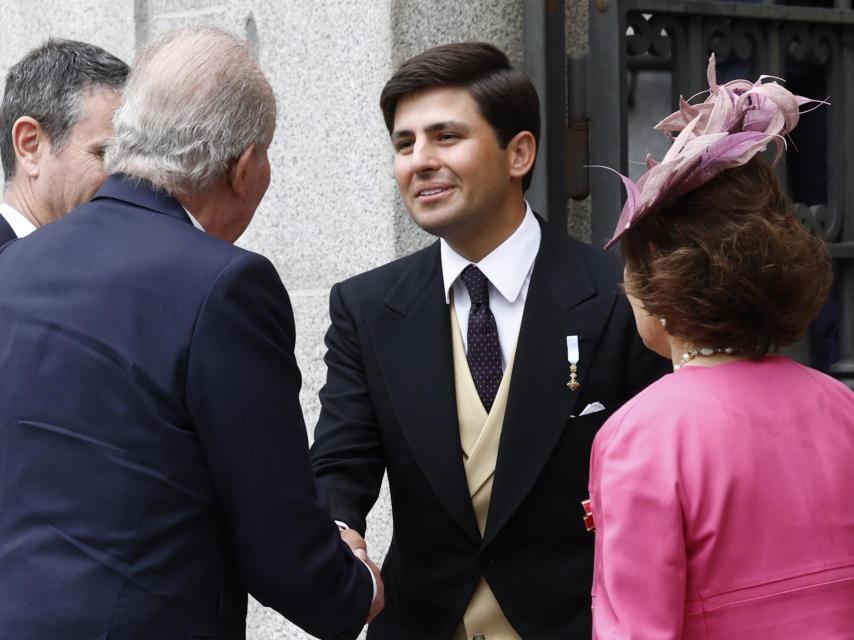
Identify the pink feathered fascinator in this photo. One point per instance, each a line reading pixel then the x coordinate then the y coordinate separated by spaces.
pixel 737 120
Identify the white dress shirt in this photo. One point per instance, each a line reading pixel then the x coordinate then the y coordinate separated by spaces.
pixel 192 218
pixel 508 268
pixel 19 223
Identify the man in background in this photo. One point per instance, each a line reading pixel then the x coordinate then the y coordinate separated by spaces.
pixel 153 456
pixel 55 119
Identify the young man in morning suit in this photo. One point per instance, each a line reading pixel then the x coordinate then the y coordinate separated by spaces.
pixel 449 368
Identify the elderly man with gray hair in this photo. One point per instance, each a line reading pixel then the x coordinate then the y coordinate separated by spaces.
pixel 55 120
pixel 153 455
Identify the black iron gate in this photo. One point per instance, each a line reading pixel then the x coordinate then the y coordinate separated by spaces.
pixel 812 47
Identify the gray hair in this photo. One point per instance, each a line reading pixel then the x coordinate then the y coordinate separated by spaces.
pixel 195 100
pixel 47 84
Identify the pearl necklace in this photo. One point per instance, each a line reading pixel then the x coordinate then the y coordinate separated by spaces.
pixel 705 352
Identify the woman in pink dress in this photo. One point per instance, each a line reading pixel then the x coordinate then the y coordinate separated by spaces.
pixel 723 494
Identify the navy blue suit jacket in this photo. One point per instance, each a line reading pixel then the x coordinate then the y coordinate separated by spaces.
pixel 153 455
pixel 6 232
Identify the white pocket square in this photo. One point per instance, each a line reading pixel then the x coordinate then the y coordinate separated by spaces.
pixel 593 407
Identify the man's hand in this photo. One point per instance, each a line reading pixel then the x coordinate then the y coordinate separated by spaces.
pixel 356 542
pixel 359 548
pixel 379 600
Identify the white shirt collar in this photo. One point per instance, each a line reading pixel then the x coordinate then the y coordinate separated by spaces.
pixel 17 220
pixel 195 222
pixel 23 227
pixel 506 267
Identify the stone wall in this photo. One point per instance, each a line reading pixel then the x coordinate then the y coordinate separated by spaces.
pixel 332 209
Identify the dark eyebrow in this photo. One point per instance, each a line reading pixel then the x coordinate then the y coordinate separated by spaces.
pixel 462 127
pixel 433 128
pixel 400 133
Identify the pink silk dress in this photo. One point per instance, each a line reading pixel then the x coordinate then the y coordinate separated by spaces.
pixel 723 501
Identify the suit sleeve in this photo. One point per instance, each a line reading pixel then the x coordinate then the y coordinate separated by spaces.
pixel 347 451
pixel 640 564
pixel 243 397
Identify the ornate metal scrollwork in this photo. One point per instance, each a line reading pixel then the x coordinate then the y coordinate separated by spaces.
pixel 730 39
pixel 819 220
pixel 655 33
pixel 750 42
pixel 664 28
pixel 638 34
pixel 717 34
pixel 652 34
pixel 809 44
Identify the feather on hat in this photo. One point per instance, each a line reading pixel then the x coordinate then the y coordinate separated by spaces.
pixel 735 122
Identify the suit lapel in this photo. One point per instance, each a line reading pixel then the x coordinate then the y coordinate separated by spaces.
pixel 413 343
pixel 561 301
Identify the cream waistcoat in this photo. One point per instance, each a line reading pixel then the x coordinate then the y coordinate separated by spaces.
pixel 479 436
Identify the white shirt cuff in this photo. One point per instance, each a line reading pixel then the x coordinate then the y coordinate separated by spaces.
pixel 373 580
pixel 342 526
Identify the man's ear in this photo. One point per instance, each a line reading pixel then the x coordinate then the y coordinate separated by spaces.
pixel 522 150
pixel 31 144
pixel 238 171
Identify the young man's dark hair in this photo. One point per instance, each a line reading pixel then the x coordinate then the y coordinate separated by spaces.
pixel 47 83
pixel 505 96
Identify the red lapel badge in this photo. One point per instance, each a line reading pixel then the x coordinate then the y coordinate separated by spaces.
pixel 588 515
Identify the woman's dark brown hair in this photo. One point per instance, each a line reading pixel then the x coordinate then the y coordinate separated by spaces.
pixel 728 265
pixel 505 96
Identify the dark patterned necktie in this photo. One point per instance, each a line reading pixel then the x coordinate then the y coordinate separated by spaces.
pixel 484 350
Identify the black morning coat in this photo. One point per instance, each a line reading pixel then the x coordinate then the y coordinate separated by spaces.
pixel 389 405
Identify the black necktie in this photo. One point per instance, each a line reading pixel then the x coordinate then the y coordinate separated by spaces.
pixel 484 350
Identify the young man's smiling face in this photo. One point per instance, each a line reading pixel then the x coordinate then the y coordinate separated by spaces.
pixel 456 180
